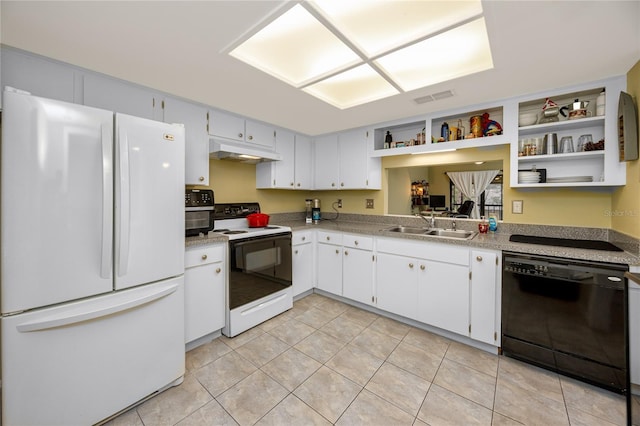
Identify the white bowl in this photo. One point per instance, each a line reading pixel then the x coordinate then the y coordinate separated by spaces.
pixel 527 119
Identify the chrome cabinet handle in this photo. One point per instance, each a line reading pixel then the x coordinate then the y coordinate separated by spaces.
pixel 218 270
pixel 422 267
pixel 201 178
pixel 333 184
pixel 479 258
pixel 356 242
pixel 337 251
pixel 204 257
pixel 411 265
pixel 341 183
pixel 250 137
pixel 304 238
pixel 296 252
pixel 346 253
pixel 328 238
pixel 291 184
pixel 298 184
pixel 240 135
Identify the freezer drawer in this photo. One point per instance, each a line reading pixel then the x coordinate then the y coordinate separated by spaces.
pixel 81 362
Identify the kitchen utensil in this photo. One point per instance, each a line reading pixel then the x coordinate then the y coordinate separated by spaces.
pixel 579 113
pixel 258 220
pixel 538 143
pixel 551 143
pixel 583 141
pixel 315 211
pixel 566 144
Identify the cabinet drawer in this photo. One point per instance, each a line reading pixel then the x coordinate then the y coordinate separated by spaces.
pixel 439 252
pixel 330 237
pixel 357 241
pixel 301 237
pixel 204 255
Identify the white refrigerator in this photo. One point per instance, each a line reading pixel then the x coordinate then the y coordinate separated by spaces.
pixel 92 262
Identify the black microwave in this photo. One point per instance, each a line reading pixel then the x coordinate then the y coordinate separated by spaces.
pixel 199 211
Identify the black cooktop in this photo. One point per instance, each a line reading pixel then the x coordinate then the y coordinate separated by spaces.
pixel 565 242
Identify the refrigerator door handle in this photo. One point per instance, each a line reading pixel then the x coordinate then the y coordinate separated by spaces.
pixel 125 211
pixel 94 310
pixel 107 200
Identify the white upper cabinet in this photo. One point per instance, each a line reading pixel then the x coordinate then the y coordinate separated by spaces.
pixel 279 174
pixel 239 129
pixel 343 161
pixel 294 170
pixel 326 162
pixel 358 170
pixel 194 118
pixel 119 96
pixel 303 163
pixel 37 75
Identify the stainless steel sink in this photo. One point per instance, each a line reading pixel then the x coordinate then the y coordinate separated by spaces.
pixel 434 232
pixel 407 230
pixel 451 233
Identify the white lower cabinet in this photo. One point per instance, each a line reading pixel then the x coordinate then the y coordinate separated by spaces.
pixel 486 280
pixel 302 260
pixel 204 290
pixel 330 262
pixel 397 284
pixel 634 332
pixel 443 295
pixel 357 268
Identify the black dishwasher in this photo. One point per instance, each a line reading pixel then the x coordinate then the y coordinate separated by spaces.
pixel 568 316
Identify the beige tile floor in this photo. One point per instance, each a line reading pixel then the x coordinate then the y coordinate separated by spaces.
pixel 325 362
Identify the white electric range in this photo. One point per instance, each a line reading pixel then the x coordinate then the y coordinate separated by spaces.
pixel 259 265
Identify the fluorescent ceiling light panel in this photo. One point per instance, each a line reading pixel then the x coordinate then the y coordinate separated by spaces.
pixel 378 26
pixel 353 87
pixel 296 48
pixel 461 51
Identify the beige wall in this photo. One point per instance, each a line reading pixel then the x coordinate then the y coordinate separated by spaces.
pixel 625 203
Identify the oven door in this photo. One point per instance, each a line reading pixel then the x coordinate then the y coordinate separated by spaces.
pixel 259 266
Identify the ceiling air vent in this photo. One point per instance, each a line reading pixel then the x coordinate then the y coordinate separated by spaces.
pixel 434 97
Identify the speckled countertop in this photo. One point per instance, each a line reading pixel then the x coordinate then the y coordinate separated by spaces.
pixel 378 225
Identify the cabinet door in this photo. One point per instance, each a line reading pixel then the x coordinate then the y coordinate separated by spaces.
pixel 397 284
pixel 260 134
pixel 326 162
pixel 357 275
pixel 353 159
pixel 226 125
pixel 194 118
pixel 330 268
pixel 484 284
pixel 204 300
pixel 634 332
pixel 119 96
pixel 37 76
pixel 284 169
pixel 302 268
pixel 443 296
pixel 303 163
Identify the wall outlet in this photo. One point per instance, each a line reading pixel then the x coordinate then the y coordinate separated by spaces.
pixel 516 206
pixel 339 203
pixel 369 203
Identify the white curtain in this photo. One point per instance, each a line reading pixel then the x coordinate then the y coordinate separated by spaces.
pixel 472 185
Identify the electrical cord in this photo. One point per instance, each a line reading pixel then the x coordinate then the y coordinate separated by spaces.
pixel 333 206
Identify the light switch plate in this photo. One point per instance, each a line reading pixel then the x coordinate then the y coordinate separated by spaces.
pixel 369 203
pixel 516 206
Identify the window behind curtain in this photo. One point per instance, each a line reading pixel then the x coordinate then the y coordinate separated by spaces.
pixel 490 199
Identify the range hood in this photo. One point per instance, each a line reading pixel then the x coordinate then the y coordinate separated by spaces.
pixel 225 150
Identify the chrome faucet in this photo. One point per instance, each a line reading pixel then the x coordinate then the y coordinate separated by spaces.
pixel 430 220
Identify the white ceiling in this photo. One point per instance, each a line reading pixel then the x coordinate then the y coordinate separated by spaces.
pixel 174 46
